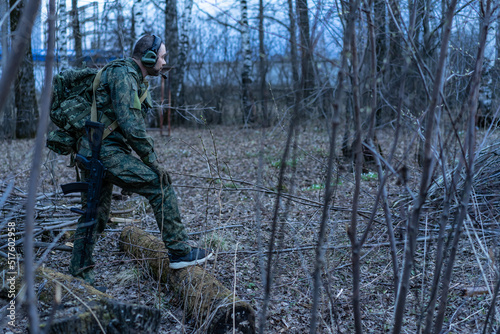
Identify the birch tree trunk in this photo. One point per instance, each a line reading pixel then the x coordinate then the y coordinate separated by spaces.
pixel 25 98
pixel 262 66
pixel 247 65
pixel 184 50
pixel 138 14
pixel 77 35
pixel 62 40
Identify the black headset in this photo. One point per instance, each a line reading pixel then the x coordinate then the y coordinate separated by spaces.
pixel 150 55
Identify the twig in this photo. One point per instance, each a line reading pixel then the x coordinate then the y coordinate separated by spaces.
pixel 295 198
pixel 52 245
pixel 311 247
pixel 192 233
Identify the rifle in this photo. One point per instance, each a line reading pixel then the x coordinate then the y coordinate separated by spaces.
pixel 93 186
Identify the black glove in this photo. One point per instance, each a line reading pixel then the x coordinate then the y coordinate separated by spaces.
pixel 126 192
pixel 161 172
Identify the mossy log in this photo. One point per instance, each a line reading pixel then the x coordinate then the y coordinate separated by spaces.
pixel 214 308
pixel 85 310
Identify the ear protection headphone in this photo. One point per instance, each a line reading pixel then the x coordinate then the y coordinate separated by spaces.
pixel 150 55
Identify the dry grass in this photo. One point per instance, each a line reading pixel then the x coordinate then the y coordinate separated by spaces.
pixel 215 172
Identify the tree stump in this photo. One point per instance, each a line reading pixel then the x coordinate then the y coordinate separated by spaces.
pixel 214 308
pixel 85 310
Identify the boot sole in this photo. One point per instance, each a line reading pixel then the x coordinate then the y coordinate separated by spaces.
pixel 184 264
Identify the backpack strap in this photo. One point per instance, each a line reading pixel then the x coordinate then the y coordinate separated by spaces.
pixel 145 94
pixel 93 112
pixel 95 84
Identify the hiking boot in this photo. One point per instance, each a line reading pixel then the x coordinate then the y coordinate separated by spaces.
pixel 196 256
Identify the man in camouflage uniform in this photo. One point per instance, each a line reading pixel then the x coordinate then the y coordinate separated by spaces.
pixel 118 98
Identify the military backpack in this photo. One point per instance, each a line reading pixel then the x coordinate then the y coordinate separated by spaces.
pixel 73 103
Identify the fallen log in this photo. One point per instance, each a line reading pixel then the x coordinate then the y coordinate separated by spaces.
pixel 214 308
pixel 474 291
pixel 85 310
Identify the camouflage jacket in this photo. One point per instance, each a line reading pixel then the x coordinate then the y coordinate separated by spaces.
pixel 117 97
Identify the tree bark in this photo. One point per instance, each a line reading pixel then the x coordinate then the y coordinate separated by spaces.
pixel 8 112
pixel 395 61
pixel 138 10
pixel 262 67
pixel 121 34
pixel 133 36
pixel 96 311
pixel 77 35
pixel 62 40
pixel 293 47
pixel 352 231
pixel 25 98
pixel 497 45
pixel 172 47
pixel 306 47
pixel 214 307
pixel 184 50
pixel 247 65
pixel 381 42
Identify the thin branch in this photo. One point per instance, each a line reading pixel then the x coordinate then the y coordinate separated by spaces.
pixel 31 298
pixel 428 167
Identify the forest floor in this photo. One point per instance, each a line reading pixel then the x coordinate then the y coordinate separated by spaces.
pixel 222 190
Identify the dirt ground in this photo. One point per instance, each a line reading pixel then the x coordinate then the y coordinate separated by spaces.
pixel 228 203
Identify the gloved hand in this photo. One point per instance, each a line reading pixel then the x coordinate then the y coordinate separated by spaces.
pixel 161 172
pixel 126 192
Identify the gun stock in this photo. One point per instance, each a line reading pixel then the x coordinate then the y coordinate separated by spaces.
pixel 75 187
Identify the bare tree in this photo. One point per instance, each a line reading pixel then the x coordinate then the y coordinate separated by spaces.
pixel 138 13
pixel 133 35
pixel 293 51
pixel 306 48
pixel 120 29
pixel 8 112
pixel 77 34
pixel 184 50
pixel 497 43
pixel 62 36
pixel 172 46
pixel 24 87
pixel 465 166
pixel 29 260
pixel 247 105
pixel 429 163
pixel 262 66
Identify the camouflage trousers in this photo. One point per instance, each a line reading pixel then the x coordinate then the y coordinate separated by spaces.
pixel 132 175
